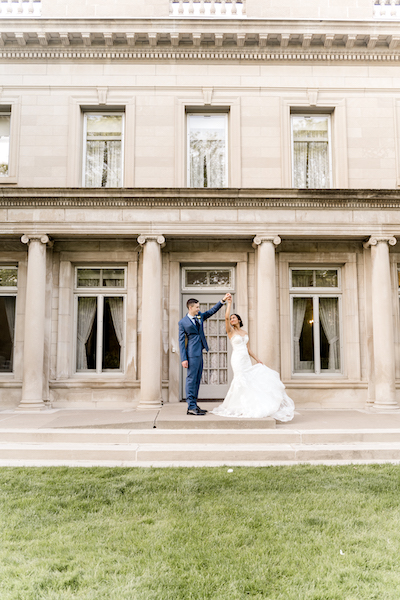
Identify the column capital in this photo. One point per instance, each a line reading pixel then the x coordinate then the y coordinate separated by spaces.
pixel 376 239
pixel 27 238
pixel 260 239
pixel 143 238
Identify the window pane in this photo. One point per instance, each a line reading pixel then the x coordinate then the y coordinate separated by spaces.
pixel 220 278
pixel 113 277
pixel 329 334
pixel 88 277
pixel 207 150
pixel 104 125
pixel 113 327
pixel 7 330
pixel 103 164
pixel 8 277
pixel 195 278
pixel 302 278
pixel 310 152
pixel 303 334
pixel 326 278
pixel 86 334
pixel 4 144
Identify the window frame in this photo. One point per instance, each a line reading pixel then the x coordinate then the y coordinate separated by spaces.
pixel 99 293
pixel 312 114
pixel 195 289
pixel 111 113
pixel 10 291
pixel 316 293
pixel 7 113
pixel 207 113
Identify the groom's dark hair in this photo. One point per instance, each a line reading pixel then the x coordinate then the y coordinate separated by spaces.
pixel 191 301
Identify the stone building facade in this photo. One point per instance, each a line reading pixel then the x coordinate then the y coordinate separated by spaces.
pixel 150 152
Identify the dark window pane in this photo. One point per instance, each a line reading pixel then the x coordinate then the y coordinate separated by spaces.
pixel 8 277
pixel 7 329
pixel 326 278
pixel 195 278
pixel 88 277
pixel 222 278
pixel 113 325
pixel 113 277
pixel 86 334
pixel 329 334
pixel 302 278
pixel 303 339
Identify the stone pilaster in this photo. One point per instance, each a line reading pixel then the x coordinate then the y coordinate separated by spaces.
pixel 32 377
pixel 266 313
pixel 150 372
pixel 382 323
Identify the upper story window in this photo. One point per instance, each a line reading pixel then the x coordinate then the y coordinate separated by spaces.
pixel 8 297
pixel 311 151
pixel 20 8
pixel 207 160
pixel 207 8
pixel 316 320
pixel 103 149
pixel 100 319
pixel 5 119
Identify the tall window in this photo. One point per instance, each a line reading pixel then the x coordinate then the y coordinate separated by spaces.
pixel 315 311
pixel 103 151
pixel 100 318
pixel 311 151
pixel 8 295
pixel 5 118
pixel 207 150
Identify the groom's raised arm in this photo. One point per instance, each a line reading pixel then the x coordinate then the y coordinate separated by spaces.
pixel 182 343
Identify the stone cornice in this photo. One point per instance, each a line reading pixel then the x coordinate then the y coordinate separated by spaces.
pixel 190 198
pixel 199 39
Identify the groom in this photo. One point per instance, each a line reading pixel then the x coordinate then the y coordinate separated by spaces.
pixel 191 343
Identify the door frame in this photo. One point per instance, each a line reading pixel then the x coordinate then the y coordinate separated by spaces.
pixel 175 261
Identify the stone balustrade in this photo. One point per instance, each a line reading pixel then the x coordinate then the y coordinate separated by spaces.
pixel 207 8
pixel 20 8
pixel 386 9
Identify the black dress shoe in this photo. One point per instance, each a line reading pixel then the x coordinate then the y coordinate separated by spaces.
pixel 196 411
pixel 203 410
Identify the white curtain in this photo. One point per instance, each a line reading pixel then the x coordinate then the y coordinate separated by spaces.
pixel 117 315
pixel 86 315
pixel 9 305
pixel 299 311
pixel 103 163
pixel 311 165
pixel 207 162
pixel 329 315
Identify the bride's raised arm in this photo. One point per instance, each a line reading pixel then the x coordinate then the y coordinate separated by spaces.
pixel 227 315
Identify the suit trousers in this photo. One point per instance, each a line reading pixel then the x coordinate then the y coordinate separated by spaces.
pixel 193 379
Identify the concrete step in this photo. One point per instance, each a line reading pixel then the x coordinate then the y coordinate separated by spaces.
pixel 199 436
pixel 194 453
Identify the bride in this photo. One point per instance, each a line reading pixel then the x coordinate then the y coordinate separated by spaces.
pixel 256 391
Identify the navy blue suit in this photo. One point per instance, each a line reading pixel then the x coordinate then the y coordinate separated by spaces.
pixel 191 343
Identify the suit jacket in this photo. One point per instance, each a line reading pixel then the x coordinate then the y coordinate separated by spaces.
pixel 192 340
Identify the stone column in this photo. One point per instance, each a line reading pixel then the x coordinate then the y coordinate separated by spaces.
pixel 32 377
pixel 382 324
pixel 152 293
pixel 266 314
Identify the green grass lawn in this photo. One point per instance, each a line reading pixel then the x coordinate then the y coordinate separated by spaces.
pixel 287 533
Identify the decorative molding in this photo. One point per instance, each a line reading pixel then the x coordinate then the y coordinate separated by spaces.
pixel 194 54
pixel 260 239
pixel 102 95
pixel 26 239
pixel 377 239
pixel 143 238
pixel 187 198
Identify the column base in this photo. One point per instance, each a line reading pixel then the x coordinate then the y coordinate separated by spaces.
pixel 384 408
pixel 31 406
pixel 149 405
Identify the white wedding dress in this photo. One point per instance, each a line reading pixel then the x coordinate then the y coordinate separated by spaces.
pixel 256 390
